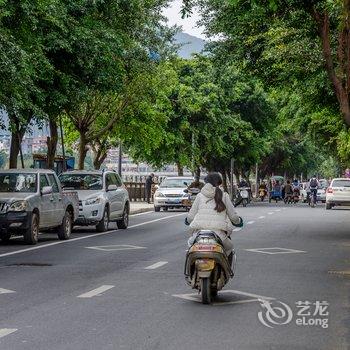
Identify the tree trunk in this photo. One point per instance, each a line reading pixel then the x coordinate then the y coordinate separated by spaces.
pixel 197 171
pixel 52 141
pixel 82 150
pixel 99 158
pixel 180 169
pixel 14 149
pixel 224 179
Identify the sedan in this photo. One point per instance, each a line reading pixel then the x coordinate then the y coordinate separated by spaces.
pixel 338 193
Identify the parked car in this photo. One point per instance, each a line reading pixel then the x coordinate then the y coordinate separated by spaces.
pixel 102 198
pixel 338 193
pixel 170 193
pixel 31 200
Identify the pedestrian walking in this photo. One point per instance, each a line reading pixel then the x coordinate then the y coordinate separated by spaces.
pixel 149 183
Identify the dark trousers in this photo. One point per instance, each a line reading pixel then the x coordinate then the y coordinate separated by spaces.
pixel 148 194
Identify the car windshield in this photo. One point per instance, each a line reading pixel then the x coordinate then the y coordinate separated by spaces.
pixel 82 181
pixel 175 183
pixel 341 183
pixel 18 182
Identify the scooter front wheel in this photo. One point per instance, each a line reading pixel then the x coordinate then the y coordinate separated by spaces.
pixel 205 290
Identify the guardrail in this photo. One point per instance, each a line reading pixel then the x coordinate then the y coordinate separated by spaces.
pixel 137 191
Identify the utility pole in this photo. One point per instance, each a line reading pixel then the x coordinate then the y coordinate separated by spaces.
pixel 120 157
pixel 256 180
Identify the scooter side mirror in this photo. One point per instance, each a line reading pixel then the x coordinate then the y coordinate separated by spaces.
pixel 186 190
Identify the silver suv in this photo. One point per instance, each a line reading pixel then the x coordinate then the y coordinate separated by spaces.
pixel 32 199
pixel 102 198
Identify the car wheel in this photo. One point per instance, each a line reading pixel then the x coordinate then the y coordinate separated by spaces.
pixel 124 222
pixel 102 226
pixel 157 209
pixel 5 237
pixel 165 208
pixel 65 230
pixel 31 235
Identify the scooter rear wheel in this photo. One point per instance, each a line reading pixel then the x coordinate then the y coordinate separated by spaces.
pixel 205 291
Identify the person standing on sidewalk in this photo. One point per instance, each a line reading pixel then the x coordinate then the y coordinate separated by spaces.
pixel 149 183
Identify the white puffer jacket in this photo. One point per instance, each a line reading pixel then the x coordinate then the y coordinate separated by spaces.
pixel 203 216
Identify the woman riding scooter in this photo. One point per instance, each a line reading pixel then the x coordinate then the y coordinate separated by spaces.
pixel 213 210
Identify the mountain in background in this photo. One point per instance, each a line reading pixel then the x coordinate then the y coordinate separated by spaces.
pixel 190 44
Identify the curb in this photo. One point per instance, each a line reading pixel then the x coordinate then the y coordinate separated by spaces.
pixel 141 210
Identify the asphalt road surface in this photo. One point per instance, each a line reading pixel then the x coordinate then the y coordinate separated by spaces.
pixel 125 289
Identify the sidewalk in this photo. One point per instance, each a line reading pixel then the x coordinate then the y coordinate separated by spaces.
pixel 140 207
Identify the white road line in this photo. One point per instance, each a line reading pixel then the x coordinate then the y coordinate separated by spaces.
pixel 278 210
pixel 152 221
pixel 237 229
pixel 250 222
pixel 262 217
pixel 271 213
pixel 156 265
pixel 95 292
pixel 6 291
pixel 143 213
pixel 80 238
pixel 6 331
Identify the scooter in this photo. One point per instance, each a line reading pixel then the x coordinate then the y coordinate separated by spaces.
pixel 207 267
pixel 244 195
pixel 192 194
pixel 262 194
pixel 296 195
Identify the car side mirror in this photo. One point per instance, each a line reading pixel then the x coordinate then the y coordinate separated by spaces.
pixel 185 183
pixel 186 190
pixel 46 190
pixel 112 188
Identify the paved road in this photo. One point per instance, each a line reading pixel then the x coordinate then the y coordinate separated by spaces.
pixel 126 290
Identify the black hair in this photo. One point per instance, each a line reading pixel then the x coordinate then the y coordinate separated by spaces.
pixel 215 180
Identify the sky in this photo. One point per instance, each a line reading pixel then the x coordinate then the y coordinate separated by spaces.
pixel 188 24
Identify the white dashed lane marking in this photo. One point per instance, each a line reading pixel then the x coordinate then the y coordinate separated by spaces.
pixel 156 265
pixel 96 292
pixel 250 222
pixel 270 213
pixel 262 217
pixel 6 291
pixel 237 229
pixel 6 331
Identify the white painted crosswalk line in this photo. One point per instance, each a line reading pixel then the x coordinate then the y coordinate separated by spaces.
pixel 6 291
pixel 250 222
pixel 262 217
pixel 6 331
pixel 96 292
pixel 156 265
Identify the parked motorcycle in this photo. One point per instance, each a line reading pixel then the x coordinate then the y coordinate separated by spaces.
pixel 207 267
